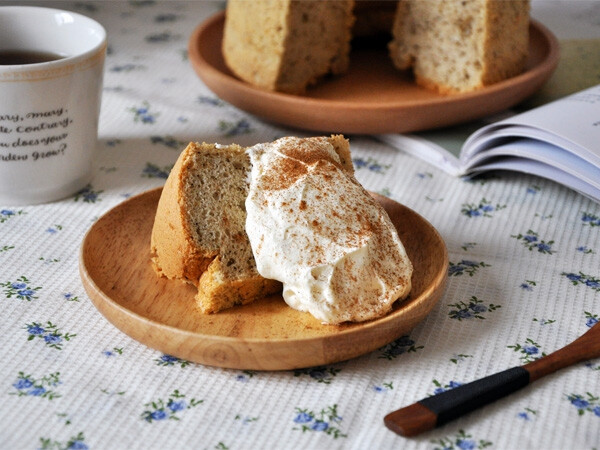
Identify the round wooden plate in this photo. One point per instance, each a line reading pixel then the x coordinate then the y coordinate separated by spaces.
pixel 264 335
pixel 373 97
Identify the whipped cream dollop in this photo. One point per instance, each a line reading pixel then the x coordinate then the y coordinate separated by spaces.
pixel 313 227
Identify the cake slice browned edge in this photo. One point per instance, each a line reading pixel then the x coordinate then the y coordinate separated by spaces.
pixel 174 254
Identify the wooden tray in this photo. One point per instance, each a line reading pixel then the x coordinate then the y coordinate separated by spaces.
pixel 265 335
pixel 373 97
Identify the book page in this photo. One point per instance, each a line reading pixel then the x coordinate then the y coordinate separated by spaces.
pixel 572 122
pixel 440 147
pixel 544 153
pixel 424 149
pixel 517 164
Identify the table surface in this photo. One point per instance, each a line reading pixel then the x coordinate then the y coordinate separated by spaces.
pixel 524 280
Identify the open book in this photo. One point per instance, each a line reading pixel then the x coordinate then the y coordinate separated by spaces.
pixel 559 141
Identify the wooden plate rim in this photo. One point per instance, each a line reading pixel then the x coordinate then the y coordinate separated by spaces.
pixel 100 298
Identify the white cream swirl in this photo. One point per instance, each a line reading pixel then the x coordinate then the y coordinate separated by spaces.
pixel 313 227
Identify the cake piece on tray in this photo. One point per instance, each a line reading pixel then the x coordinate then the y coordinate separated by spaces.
pixel 461 46
pixel 450 46
pixel 241 224
pixel 199 232
pixel 287 45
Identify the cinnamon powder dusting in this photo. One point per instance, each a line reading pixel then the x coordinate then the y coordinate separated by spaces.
pixel 298 156
pixel 283 174
pixel 330 242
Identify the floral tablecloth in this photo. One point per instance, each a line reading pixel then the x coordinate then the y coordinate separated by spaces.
pixel 524 280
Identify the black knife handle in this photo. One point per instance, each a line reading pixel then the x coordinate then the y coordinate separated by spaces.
pixel 448 405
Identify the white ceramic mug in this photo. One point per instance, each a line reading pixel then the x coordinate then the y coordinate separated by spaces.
pixel 48 110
